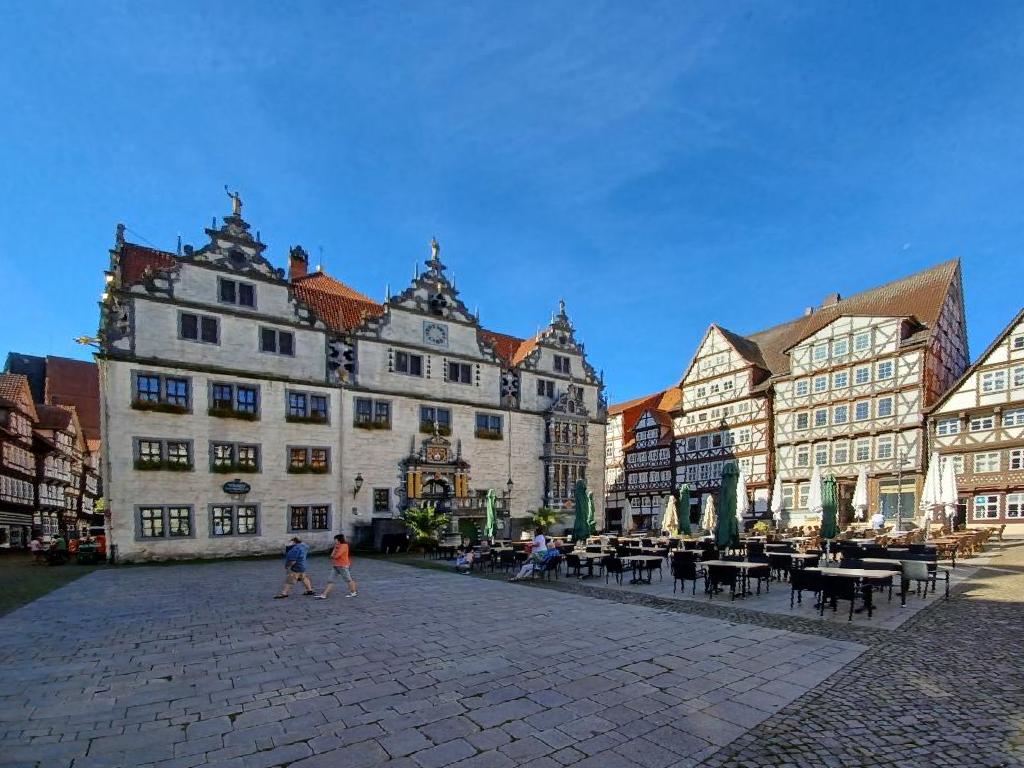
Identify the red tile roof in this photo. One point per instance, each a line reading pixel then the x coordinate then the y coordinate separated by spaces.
pixel 136 259
pixel 342 308
pixel 75 383
pixel 505 346
pixel 15 391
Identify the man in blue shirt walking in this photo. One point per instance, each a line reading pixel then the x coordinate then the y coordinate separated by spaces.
pixel 295 568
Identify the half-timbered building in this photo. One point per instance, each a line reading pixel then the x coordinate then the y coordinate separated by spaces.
pixel 60 454
pixel 618 437
pixel 979 422
pixel 649 462
pixel 724 416
pixel 17 461
pixel 862 373
pixel 845 385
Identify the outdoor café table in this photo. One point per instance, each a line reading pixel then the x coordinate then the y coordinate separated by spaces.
pixel 863 575
pixel 589 558
pixel 639 560
pixel 741 565
pixel 796 557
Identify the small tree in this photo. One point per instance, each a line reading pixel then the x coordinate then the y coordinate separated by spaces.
pixel 424 525
pixel 545 517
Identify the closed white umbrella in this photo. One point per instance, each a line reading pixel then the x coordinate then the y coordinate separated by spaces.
pixel 777 500
pixel 742 502
pixel 815 505
pixel 670 517
pixel 931 493
pixel 627 517
pixel 860 494
pixel 708 517
pixel 950 495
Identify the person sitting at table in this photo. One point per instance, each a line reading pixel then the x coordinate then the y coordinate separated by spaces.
pixel 464 562
pixel 878 520
pixel 538 553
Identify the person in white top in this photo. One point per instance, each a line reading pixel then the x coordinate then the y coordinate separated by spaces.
pixel 878 521
pixel 538 551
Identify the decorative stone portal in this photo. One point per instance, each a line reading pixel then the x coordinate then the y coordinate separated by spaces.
pixel 436 474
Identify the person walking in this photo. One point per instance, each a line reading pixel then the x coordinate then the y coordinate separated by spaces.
pixel 295 568
pixel 36 547
pixel 341 564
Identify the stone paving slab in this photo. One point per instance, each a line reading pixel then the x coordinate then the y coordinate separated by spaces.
pixel 193 665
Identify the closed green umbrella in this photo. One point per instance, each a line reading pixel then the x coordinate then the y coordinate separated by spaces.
pixel 727 532
pixel 684 510
pixel 591 517
pixel 491 524
pixel 829 507
pixel 581 526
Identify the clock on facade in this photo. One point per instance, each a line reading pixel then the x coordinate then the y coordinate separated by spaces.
pixel 436 334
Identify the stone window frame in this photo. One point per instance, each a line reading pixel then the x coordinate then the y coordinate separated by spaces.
pixel 308 409
pixel 309 453
pixel 562 364
pixel 258 413
pixel 489 431
pixel 166 536
pixel 409 358
pixel 199 327
pixel 373 422
pixel 237 300
pixel 163 441
pixel 190 390
pixel 234 520
pixel 461 367
pixel 309 517
pixel 277 341
pixel 235 444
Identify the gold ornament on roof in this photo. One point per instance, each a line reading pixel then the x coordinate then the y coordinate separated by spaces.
pixel 236 202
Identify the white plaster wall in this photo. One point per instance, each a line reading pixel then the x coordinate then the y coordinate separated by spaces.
pixel 274 489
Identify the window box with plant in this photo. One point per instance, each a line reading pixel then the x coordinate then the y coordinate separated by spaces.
pixel 235 468
pixel 313 418
pixel 427 428
pixel 154 465
pixel 222 412
pixel 307 469
pixel 158 407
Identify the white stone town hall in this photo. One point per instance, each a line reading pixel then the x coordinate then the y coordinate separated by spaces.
pixel 241 405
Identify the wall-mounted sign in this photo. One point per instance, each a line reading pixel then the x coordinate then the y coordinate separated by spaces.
pixel 236 487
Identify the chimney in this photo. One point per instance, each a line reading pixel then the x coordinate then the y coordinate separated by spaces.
pixel 298 263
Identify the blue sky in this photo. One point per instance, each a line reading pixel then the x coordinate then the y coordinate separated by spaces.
pixel 661 166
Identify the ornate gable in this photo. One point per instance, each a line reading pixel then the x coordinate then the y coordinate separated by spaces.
pixel 559 336
pixel 431 293
pixel 233 247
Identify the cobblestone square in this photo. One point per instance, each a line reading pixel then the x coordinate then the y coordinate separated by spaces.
pixel 193 665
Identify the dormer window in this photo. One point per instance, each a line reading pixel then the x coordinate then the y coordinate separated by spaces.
pixel 234 292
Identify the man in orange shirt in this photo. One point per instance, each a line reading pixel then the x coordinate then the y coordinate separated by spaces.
pixel 340 564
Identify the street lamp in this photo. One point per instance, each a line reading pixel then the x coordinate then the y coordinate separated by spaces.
pixel 508 504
